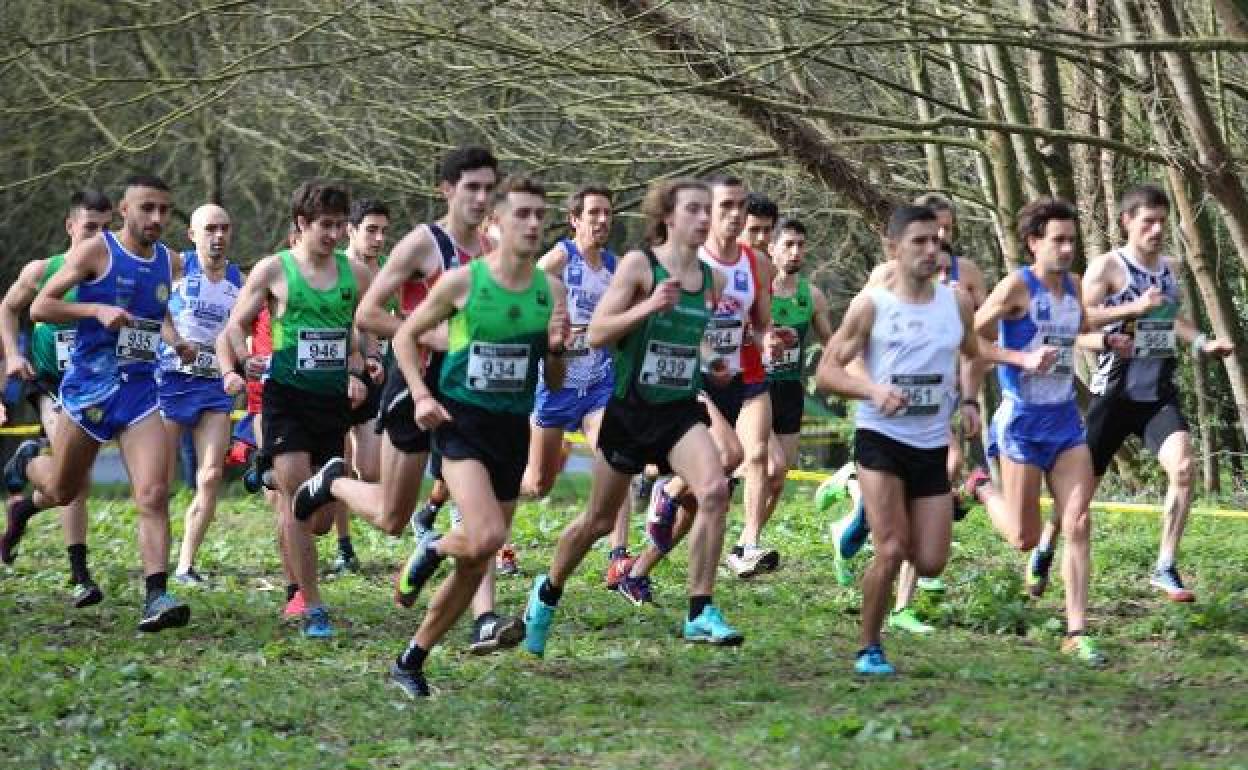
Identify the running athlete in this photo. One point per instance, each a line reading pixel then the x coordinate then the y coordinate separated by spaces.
pixel 801 308
pixel 316 373
pixel 584 265
pixel 1030 325
pixel 109 389
pixel 909 329
pixel 505 316
pixel 193 395
pixel 654 315
pixel 1134 291
pixel 50 344
pixel 761 215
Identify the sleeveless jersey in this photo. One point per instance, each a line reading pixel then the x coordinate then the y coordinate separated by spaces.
pixel 1149 374
pixel 658 362
pixel 495 342
pixel 312 336
pixel 50 343
pixel 1049 321
pixel 199 308
pixel 102 357
pixel 794 312
pixel 413 291
pixel 914 348
pixel 726 331
pixel 585 285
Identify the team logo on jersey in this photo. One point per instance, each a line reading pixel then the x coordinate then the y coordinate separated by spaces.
pixel 162 292
pixel 574 275
pixel 1044 311
pixel 346 293
pixel 542 299
pixel 741 280
pixel 513 312
pixel 192 286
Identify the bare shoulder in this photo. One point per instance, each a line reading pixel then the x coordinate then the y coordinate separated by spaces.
pixel 881 273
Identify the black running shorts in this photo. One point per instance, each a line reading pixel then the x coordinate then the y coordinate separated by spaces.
pixel 1112 419
pixel 788 399
pixel 636 434
pixel 297 420
pixel 497 440
pixel 922 471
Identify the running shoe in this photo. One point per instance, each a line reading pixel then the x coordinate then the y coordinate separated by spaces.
pixel 617 569
pixel 506 563
pixel 15 469
pixel 645 486
pixel 709 627
pixel 18 513
pixel 850 532
pixel 754 560
pixel 295 606
pixel 419 567
pixel 906 619
pixel 85 594
pixel 538 615
pixel 491 633
pixel 315 493
pixel 1084 648
pixel 636 589
pixel 660 518
pixel 412 683
pixel 259 474
pixel 316 623
pixel 163 611
pixel 976 479
pixel 190 578
pixel 960 508
pixel 1038 566
pixel 844 576
pixel 346 562
pixel 931 585
pixel 839 486
pixel 1171 584
pixel 424 519
pixel 871 662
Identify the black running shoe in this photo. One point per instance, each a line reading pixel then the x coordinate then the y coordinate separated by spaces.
pixel 417 570
pixel 163 611
pixel 425 518
pixel 19 511
pixel 412 683
pixel 492 633
pixel 314 494
pixel 85 594
pixel 15 469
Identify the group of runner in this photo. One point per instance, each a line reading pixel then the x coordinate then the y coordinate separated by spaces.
pixel 467 353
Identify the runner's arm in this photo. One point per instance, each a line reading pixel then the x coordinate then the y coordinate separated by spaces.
pixel 1005 301
pixel 363 344
pixel 847 344
pixel 411 259
pixel 820 319
pixel 449 293
pixel 1098 285
pixel 553 261
pixel 16 300
pixel 232 343
pixel 82 263
pixel 970 373
pixel 619 311
pixel 556 365
pixel 971 278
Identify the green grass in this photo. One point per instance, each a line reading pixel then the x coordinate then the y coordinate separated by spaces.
pixel 240 688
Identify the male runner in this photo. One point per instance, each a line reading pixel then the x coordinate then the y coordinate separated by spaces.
pixel 1133 290
pixel 584 265
pixel 505 316
pixel 316 373
pixel 89 213
pixel 909 330
pixel 654 314
pixel 1030 325
pixel 109 389
pixel 761 215
pixel 193 396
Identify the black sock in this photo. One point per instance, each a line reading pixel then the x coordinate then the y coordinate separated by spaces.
pixel 291 590
pixel 549 593
pixel 24 510
pixel 156 584
pixel 413 658
pixel 697 604
pixel 738 551
pixel 78 563
pixel 619 552
pixel 345 549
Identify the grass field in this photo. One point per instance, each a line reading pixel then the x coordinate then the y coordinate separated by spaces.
pixel 240 688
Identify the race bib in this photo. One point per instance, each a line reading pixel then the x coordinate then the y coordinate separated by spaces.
pixel 383 348
pixel 578 344
pixel 64 340
pixel 322 349
pixel 1154 338
pixel 923 393
pixel 139 340
pixel 1065 363
pixel 788 361
pixel 204 365
pixel 725 335
pixel 667 365
pixel 498 367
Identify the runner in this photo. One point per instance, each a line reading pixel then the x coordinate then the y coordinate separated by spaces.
pixel 109 388
pixel 193 396
pixel 801 308
pixel 89 213
pixel 316 373
pixel 761 215
pixel 1133 290
pixel 584 265
pixel 654 314
pixel 1030 325
pixel 505 316
pixel 909 330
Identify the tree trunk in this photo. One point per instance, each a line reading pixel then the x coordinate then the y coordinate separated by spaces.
pixel 1046 108
pixel 1005 173
pixel 1085 159
pixel 1002 78
pixel 937 171
pixel 1201 382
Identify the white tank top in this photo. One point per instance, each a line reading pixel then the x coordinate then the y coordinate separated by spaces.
pixel 199 308
pixel 915 348
pixel 726 330
pixel 585 285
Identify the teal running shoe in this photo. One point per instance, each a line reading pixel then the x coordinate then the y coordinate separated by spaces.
pixel 709 627
pixel 163 611
pixel 316 624
pixel 538 615
pixel 871 662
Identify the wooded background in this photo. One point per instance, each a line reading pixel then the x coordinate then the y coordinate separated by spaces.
pixel 837 110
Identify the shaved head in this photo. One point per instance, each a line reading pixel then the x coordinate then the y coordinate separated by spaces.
pixel 209 212
pixel 210 231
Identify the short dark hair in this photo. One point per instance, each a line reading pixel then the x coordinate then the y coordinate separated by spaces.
pixel 790 224
pixel 317 197
pixel 759 205
pixel 90 200
pixel 660 201
pixel 151 181
pixel 724 180
pixel 1142 195
pixel 1034 218
pixel 936 202
pixel 517 183
pixel 576 201
pixel 467 158
pixel 363 207
pixel 905 215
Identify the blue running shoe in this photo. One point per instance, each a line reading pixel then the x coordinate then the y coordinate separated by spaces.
pixel 871 661
pixel 661 519
pixel 850 533
pixel 1038 566
pixel 163 611
pixel 316 623
pixel 15 479
pixel 538 615
pixel 710 628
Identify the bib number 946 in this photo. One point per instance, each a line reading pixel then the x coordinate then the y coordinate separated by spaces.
pixel 322 349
